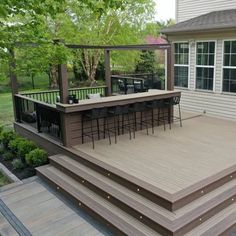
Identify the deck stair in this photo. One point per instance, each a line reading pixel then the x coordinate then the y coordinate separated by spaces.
pixel 128 212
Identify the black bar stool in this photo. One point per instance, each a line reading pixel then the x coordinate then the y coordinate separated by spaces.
pixel 95 115
pixel 169 103
pixel 116 112
pixel 139 107
pixel 159 105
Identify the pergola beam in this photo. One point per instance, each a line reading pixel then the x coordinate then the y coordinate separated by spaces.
pixel 122 47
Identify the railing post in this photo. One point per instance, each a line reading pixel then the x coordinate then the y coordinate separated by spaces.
pixel 108 72
pixel 18 110
pixel 13 79
pixel 38 118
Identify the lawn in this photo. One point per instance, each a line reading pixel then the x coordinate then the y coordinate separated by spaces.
pixel 3 180
pixel 6 110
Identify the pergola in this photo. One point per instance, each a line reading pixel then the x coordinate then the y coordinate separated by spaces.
pixel 62 68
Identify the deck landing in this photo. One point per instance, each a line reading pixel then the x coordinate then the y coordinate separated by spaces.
pixel 175 161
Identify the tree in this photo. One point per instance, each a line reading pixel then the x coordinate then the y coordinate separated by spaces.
pixel 117 25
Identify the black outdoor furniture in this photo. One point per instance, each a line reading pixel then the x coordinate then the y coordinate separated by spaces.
pixel 169 103
pixel 139 108
pixel 95 115
pixel 160 106
pixel 121 111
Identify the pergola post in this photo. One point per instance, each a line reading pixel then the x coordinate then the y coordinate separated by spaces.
pixel 64 93
pixel 13 79
pixel 108 72
pixel 170 68
pixel 63 83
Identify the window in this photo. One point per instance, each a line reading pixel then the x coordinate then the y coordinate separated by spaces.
pixel 205 65
pixel 229 67
pixel 181 64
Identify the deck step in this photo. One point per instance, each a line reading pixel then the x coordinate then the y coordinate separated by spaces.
pixel 218 224
pixel 137 205
pixel 89 200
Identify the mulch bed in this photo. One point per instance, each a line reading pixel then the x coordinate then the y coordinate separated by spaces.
pixel 20 174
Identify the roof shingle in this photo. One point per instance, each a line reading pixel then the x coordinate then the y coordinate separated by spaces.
pixel 210 21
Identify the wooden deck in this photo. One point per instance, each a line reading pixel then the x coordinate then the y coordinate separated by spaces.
pixel 175 161
pixel 43 213
pixel 177 182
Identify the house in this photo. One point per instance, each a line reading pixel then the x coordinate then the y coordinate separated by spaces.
pixel 204 41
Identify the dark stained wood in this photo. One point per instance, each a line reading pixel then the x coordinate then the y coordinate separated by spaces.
pixel 108 72
pixel 121 47
pixel 170 68
pixel 63 83
pixel 65 132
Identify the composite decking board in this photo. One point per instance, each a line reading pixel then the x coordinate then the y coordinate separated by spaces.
pixel 5 228
pixel 84 157
pixel 105 209
pixel 185 157
pixel 217 224
pixel 43 213
pixel 172 221
pixel 117 100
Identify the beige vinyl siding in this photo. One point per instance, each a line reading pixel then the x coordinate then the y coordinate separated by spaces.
pixel 187 9
pixel 215 103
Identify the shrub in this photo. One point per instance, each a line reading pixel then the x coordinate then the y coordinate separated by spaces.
pixel 17 164
pixel 24 147
pixel 1 150
pixel 14 144
pixel 37 157
pixel 8 156
pixel 6 137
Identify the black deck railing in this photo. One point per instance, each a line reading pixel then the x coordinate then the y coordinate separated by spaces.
pixel 135 83
pixel 51 96
pixel 42 116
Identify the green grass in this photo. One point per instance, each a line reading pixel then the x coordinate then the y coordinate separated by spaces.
pixel 3 180
pixel 6 109
pixel 25 83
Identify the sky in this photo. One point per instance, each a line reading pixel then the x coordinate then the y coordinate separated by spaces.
pixel 165 9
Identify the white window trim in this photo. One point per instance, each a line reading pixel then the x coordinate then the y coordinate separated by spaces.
pixel 203 66
pixel 225 67
pixel 183 65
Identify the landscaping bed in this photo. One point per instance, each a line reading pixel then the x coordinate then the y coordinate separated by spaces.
pixel 3 180
pixel 19 155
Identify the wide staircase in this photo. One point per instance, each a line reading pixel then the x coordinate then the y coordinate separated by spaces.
pixel 128 209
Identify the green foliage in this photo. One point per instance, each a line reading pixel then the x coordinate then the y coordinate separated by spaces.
pixel 14 144
pixel 3 180
pixel 25 147
pixel 8 156
pixel 6 136
pixel 36 158
pixel 2 150
pixel 147 63
pixel 1 129
pixel 17 164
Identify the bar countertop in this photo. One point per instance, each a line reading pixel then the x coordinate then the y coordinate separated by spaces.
pixel 116 100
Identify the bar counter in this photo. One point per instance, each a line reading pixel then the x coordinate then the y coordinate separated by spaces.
pixel 71 114
pixel 116 100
